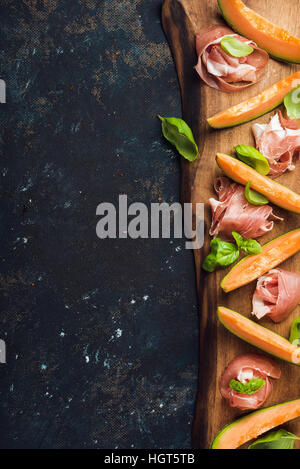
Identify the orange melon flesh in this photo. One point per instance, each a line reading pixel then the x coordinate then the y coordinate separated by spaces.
pixel 254 107
pixel 252 267
pixel 255 424
pixel 275 40
pixel 259 336
pixel 275 192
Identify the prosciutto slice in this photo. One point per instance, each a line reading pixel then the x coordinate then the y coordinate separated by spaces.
pixel 279 142
pixel 221 70
pixel 232 212
pixel 277 294
pixel 245 368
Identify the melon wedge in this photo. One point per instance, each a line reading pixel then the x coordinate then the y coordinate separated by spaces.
pixel 275 192
pixel 255 424
pixel 276 41
pixel 252 267
pixel 254 107
pixel 259 336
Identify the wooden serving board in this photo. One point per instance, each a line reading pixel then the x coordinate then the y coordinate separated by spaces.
pixel 182 19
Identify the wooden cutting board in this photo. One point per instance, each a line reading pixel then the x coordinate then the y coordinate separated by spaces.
pixel 182 19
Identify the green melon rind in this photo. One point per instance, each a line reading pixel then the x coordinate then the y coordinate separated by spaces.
pixel 216 441
pixel 235 28
pixel 253 343
pixel 247 257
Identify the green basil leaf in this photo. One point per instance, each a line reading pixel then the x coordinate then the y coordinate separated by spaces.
pixel 279 439
pixel 253 158
pixel 292 103
pixel 222 254
pixel 251 247
pixel 295 332
pixel 254 385
pixel 237 386
pixel 253 197
pixel 238 238
pixel 249 388
pixel 225 253
pixel 235 47
pixel 210 263
pixel 177 132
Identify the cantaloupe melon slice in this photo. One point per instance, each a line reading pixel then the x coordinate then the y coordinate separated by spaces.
pixel 255 424
pixel 254 107
pixel 242 173
pixel 252 267
pixel 275 40
pixel 259 336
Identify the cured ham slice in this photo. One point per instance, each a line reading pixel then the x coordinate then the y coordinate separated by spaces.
pixel 245 368
pixel 232 212
pixel 279 142
pixel 277 294
pixel 221 70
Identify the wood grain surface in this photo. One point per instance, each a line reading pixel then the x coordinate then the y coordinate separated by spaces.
pixel 182 19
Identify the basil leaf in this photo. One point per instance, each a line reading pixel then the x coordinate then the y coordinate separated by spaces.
pixel 292 103
pixel 279 439
pixel 295 332
pixel 253 158
pixel 251 247
pixel 177 132
pixel 253 197
pixel 225 253
pixel 249 388
pixel 237 386
pixel 238 238
pixel 235 47
pixel 222 254
pixel 254 385
pixel 210 263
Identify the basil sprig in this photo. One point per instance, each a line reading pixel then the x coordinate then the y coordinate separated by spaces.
pixel 235 47
pixel 279 439
pixel 252 157
pixel 292 103
pixel 249 388
pixel 295 332
pixel 249 246
pixel 253 197
pixel 179 134
pixel 223 254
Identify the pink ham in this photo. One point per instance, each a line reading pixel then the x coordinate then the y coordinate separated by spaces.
pixel 277 294
pixel 232 212
pixel 245 368
pixel 219 69
pixel 279 142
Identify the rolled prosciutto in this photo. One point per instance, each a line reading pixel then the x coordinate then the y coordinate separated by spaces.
pixel 244 368
pixel 277 294
pixel 232 212
pixel 221 70
pixel 279 142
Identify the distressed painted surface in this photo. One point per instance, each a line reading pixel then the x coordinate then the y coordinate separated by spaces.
pixel 101 335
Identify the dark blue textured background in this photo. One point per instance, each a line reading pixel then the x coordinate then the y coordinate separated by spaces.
pixel 101 335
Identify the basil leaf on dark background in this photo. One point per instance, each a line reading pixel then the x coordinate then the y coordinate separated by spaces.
pixel 177 132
